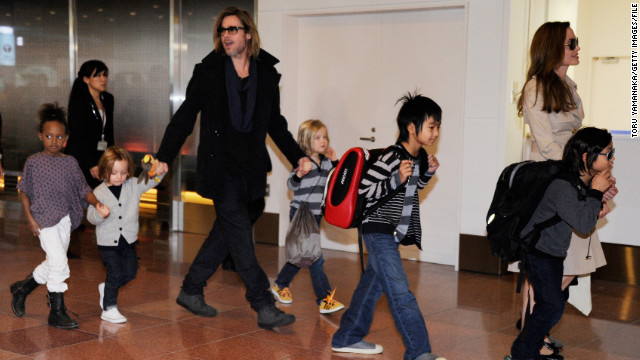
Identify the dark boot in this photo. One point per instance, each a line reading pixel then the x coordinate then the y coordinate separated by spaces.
pixel 58 316
pixel 195 304
pixel 20 290
pixel 270 316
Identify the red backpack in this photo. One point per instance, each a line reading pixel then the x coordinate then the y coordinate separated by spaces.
pixel 343 207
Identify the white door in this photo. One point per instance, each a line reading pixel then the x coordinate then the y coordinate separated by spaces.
pixel 351 69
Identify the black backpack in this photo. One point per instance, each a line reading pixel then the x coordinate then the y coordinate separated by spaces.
pixel 519 189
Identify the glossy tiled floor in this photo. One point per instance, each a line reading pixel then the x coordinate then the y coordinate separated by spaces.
pixel 469 316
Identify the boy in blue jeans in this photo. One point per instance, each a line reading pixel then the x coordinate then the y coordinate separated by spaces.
pixel 394 223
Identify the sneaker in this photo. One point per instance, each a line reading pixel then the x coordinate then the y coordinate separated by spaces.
pixel 270 316
pixel 101 291
pixel 329 305
pixel 362 347
pixel 195 304
pixel 283 295
pixel 113 316
pixel 430 356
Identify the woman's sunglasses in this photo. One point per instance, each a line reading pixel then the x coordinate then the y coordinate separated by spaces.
pixel 573 44
pixel 610 154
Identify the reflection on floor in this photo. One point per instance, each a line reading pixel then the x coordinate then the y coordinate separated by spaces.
pixel 469 316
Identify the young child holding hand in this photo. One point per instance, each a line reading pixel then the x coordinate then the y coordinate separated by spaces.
pixel 308 185
pixel 396 222
pixel 52 190
pixel 117 231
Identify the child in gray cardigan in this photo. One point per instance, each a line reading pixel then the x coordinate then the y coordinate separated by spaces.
pixel 117 233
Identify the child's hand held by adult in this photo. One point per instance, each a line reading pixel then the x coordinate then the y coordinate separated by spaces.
pixel 103 210
pixel 304 166
pixel 162 168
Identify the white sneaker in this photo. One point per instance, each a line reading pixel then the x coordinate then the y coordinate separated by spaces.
pixel 113 316
pixel 101 291
pixel 362 347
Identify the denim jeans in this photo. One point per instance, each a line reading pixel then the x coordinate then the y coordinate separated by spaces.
pixel 384 274
pixel 232 234
pixel 122 265
pixel 319 279
pixel 545 275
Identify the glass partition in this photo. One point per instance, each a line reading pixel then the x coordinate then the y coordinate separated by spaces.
pixel 34 69
pixel 132 38
pixel 150 48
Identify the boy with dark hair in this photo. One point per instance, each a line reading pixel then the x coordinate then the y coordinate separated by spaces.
pixel 394 223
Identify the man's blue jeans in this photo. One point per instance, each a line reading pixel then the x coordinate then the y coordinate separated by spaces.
pixel 319 280
pixel 545 276
pixel 384 274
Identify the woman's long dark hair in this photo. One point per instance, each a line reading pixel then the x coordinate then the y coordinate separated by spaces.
pixel 80 90
pixel 588 140
pixel 547 53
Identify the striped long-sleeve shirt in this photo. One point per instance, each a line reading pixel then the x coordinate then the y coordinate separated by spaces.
pixel 310 188
pixel 381 179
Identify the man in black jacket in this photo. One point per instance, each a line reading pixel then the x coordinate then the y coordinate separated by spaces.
pixel 235 90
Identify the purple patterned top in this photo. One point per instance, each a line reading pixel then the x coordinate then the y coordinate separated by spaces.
pixel 55 187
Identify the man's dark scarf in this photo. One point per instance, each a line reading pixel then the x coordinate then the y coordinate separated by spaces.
pixel 242 122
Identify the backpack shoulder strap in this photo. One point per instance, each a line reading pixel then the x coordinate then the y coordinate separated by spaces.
pixel 399 152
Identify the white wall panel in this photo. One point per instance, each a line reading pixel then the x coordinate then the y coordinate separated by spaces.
pixel 483 169
pixel 622 222
pixel 486 60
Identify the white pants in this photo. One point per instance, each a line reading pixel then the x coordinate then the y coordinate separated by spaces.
pixel 54 270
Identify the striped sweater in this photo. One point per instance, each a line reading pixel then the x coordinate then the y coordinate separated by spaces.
pixel 381 179
pixel 310 188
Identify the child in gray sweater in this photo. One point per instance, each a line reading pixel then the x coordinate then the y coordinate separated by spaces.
pixel 117 233
pixel 576 198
